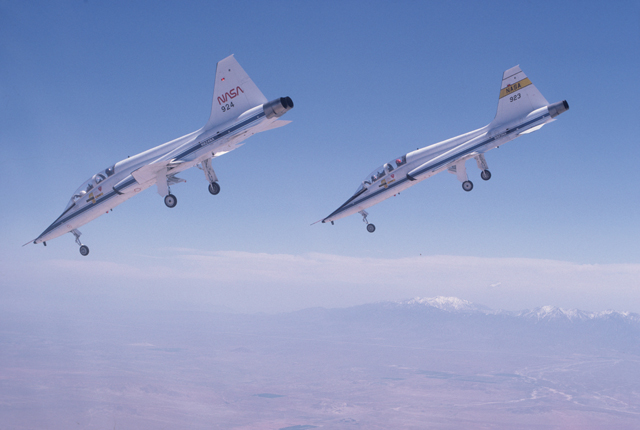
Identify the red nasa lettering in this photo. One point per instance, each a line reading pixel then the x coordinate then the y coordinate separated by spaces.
pixel 229 95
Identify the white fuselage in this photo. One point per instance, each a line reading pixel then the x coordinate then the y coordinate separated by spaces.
pixel 113 186
pixel 430 160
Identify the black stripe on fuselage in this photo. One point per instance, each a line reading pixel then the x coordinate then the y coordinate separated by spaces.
pixel 351 202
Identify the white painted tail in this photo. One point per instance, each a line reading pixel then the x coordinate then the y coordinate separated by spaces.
pixel 233 93
pixel 518 97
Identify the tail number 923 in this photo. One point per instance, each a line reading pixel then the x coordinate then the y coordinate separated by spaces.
pixel 514 97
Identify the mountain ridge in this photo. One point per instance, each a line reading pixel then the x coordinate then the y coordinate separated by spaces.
pixel 542 313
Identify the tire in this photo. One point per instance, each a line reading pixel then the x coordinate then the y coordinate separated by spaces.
pixel 170 200
pixel 84 250
pixel 371 228
pixel 467 186
pixel 485 175
pixel 214 188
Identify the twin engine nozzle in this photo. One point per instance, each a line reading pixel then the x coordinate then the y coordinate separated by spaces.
pixel 278 107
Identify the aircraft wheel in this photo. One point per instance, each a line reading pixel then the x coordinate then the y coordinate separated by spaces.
pixel 371 228
pixel 170 200
pixel 84 250
pixel 214 188
pixel 485 175
pixel 467 185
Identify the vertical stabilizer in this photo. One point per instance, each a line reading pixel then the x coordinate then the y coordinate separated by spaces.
pixel 233 93
pixel 518 96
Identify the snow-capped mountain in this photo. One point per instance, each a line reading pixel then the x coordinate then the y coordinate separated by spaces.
pixel 555 313
pixel 449 304
pixel 544 313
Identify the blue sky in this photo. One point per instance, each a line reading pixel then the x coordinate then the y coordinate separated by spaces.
pixel 86 84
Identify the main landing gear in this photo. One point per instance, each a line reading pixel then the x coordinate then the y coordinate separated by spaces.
pixel 468 185
pixel 485 174
pixel 210 174
pixel 370 227
pixel 170 200
pixel 214 188
pixel 84 249
pixel 460 171
pixel 164 190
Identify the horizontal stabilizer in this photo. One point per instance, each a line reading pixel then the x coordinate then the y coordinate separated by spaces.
pixel 532 129
pixel 276 124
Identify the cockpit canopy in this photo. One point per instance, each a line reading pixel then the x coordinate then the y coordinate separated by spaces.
pixel 381 172
pixel 89 184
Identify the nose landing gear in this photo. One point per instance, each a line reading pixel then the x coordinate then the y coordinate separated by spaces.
pixel 84 249
pixel 370 227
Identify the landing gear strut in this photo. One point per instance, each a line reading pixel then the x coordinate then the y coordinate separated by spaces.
pixel 370 227
pixel 84 249
pixel 164 189
pixel 485 174
pixel 210 174
pixel 461 173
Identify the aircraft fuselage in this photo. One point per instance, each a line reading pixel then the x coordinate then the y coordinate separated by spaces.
pixel 430 160
pixel 109 188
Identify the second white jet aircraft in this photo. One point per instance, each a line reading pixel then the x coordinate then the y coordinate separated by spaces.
pixel 239 110
pixel 521 109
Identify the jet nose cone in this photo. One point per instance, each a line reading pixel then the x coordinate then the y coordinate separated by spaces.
pixel 57 228
pixel 44 236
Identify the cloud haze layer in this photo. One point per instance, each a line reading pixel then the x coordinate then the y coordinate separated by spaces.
pixel 263 282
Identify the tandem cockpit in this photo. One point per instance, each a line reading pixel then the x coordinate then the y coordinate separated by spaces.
pixel 380 172
pixel 89 185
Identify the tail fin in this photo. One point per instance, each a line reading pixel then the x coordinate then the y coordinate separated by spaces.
pixel 233 93
pixel 518 96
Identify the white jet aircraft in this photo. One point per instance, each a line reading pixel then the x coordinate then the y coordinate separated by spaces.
pixel 239 110
pixel 521 109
